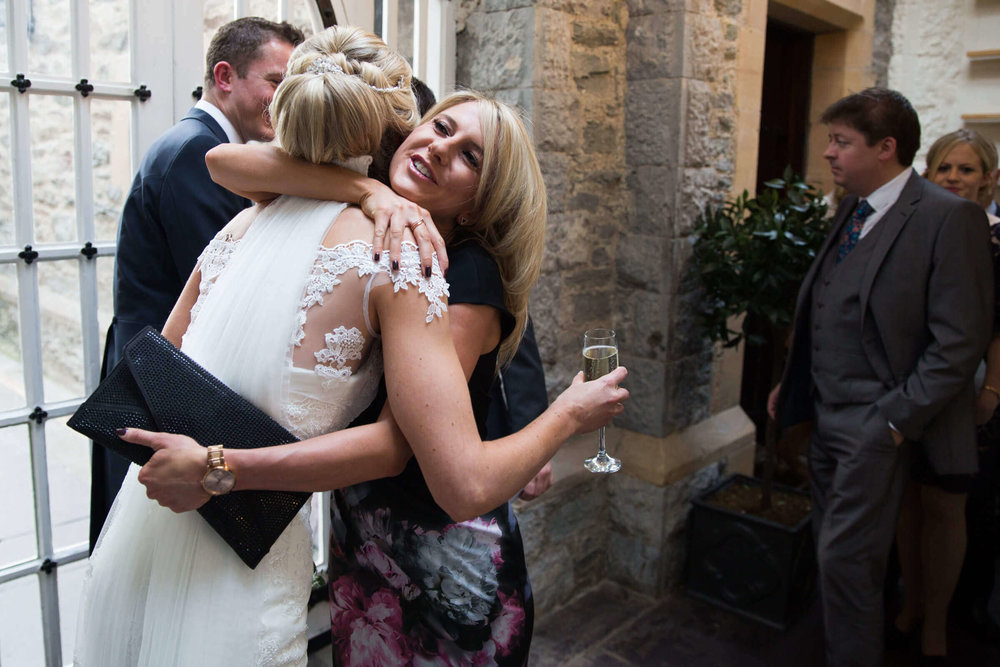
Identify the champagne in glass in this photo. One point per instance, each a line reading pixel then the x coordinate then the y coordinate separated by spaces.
pixel 600 357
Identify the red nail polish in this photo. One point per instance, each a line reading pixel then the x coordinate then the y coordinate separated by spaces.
pixel 427 272
pixel 121 431
pixel 395 265
pixel 377 256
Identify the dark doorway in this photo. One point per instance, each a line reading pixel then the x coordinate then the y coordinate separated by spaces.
pixel 784 112
pixel 784 128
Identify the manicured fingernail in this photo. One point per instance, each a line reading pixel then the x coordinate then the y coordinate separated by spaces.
pixel 395 265
pixel 121 431
pixel 377 255
pixel 427 272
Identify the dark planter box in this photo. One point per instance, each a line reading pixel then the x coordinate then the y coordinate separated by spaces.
pixel 755 567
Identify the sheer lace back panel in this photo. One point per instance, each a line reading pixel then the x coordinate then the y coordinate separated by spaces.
pixel 334 360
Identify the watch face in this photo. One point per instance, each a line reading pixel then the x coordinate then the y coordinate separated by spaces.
pixel 218 481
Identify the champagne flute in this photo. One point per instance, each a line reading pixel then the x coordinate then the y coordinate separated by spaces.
pixel 600 357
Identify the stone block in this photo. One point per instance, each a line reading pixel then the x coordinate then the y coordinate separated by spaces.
pixel 703 46
pixel 555 167
pixel 496 50
pixel 640 261
pixel 555 115
pixel 588 63
pixel 593 35
pixel 636 563
pixel 690 380
pixel 655 46
pixel 729 7
pixel 652 119
pixel 647 385
pixel 652 189
pixel 645 324
pixel 637 8
pixel 602 137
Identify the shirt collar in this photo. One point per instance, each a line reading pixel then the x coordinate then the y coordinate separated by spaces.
pixel 220 118
pixel 885 196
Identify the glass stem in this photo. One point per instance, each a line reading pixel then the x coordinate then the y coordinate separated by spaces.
pixel 600 444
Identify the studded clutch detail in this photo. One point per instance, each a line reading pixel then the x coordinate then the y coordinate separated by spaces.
pixel 159 388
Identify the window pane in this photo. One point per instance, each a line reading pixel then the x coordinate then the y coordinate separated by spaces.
pixel 17 521
pixel 109 52
pixel 267 9
pixel 112 164
pixel 6 183
pixel 105 296
pixel 3 35
pixel 404 30
pixel 52 183
pixel 300 16
pixel 62 347
pixel 48 38
pixel 12 387
pixel 68 455
pixel 216 12
pixel 70 588
pixel 21 623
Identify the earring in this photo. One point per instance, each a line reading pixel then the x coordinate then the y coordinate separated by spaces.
pixel 463 221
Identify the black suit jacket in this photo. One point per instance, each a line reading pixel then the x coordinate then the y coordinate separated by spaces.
pixel 927 299
pixel 173 210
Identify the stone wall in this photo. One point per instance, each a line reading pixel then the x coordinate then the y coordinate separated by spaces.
pixel 635 121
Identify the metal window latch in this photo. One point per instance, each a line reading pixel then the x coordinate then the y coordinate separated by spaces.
pixel 48 566
pixel 196 93
pixel 38 415
pixel 84 87
pixel 28 255
pixel 142 92
pixel 88 250
pixel 21 83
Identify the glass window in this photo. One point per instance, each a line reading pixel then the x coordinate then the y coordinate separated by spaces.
pixel 6 180
pixel 300 16
pixel 49 33
pixel 3 35
pixel 17 521
pixel 267 9
pixel 68 458
pixel 53 188
pixel 216 13
pixel 70 587
pixel 62 347
pixel 404 30
pixel 105 296
pixel 109 50
pixel 112 164
pixel 11 370
pixel 21 623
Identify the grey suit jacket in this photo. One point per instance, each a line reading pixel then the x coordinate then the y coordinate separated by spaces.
pixel 927 299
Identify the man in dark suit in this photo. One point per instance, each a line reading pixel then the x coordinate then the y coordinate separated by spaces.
pixel 891 322
pixel 174 209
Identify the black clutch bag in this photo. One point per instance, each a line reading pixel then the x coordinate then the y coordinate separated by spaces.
pixel 159 388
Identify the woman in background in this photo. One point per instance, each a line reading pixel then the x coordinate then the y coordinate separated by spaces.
pixel 931 535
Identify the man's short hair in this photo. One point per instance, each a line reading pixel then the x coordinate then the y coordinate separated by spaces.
pixel 239 42
pixel 878 113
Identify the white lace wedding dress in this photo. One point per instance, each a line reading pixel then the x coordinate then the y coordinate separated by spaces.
pixel 283 320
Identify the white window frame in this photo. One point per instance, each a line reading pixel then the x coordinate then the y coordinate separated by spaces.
pixel 159 31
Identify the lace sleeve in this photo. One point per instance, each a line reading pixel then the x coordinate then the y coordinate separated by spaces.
pixel 410 274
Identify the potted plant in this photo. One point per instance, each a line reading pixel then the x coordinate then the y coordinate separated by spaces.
pixel 749 549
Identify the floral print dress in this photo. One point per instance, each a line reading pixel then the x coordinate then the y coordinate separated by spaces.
pixel 408 586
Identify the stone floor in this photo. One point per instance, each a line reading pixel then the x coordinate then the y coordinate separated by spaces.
pixel 612 626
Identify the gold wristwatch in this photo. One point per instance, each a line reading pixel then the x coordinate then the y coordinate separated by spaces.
pixel 219 479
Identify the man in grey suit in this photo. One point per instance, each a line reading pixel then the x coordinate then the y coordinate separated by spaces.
pixel 891 322
pixel 174 209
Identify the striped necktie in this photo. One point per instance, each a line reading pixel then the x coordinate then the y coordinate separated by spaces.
pixel 853 230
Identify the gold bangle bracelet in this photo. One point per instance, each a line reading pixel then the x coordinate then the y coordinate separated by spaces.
pixel 993 390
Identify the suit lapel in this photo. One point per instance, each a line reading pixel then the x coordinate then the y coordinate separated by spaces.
pixel 894 220
pixel 206 118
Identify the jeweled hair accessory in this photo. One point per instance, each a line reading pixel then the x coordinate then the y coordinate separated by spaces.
pixel 325 65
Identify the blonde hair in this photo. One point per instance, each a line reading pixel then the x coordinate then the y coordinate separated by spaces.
pixel 983 148
pixel 342 90
pixel 509 204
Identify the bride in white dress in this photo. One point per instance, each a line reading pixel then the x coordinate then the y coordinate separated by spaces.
pixel 282 317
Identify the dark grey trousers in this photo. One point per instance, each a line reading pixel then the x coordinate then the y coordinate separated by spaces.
pixel 857 476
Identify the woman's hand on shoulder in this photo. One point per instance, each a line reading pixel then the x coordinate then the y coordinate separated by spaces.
pixel 594 404
pixel 393 215
pixel 172 476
